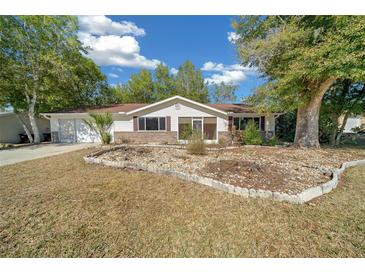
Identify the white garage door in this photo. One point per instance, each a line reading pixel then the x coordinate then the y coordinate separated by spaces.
pixel 67 130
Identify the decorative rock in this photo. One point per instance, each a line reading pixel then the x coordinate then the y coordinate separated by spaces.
pixel 327 187
pixel 278 196
pixel 294 199
pixel 261 193
pixel 285 197
pixel 242 191
pixel 311 193
pixel 204 181
pixel 300 198
pixel 252 193
pixel 231 189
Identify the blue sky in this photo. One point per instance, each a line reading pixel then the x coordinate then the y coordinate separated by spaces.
pixel 122 45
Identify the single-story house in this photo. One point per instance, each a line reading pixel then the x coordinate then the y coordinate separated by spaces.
pixel 11 128
pixel 160 122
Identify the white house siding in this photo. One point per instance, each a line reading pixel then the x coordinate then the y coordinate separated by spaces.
pixel 123 125
pixel 10 127
pixel 175 111
pixel 222 124
pixel 352 123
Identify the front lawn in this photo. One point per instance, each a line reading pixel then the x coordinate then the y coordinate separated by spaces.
pixel 63 207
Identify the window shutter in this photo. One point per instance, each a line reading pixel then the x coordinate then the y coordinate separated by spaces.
pixel 168 123
pixel 262 123
pixel 230 122
pixel 135 123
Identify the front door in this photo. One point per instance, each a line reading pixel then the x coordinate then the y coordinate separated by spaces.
pixel 67 130
pixel 198 125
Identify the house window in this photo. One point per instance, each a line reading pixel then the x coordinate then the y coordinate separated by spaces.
pixel 162 124
pixel 240 123
pixel 142 123
pixel 151 123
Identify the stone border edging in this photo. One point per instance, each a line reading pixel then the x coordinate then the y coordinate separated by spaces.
pixel 301 198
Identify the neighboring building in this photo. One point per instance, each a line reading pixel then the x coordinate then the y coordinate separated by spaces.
pixel 10 127
pixel 353 122
pixel 160 122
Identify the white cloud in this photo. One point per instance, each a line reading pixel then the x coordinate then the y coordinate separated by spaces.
pixel 229 74
pixel 211 66
pixel 102 25
pixel 111 47
pixel 233 37
pixel 113 75
pixel 228 77
pixel 173 71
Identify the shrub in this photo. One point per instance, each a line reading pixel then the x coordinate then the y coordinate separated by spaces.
pixel 101 123
pixel 125 140
pixel 251 135
pixel 106 138
pixel 5 145
pixel 273 141
pixel 186 132
pixel 196 144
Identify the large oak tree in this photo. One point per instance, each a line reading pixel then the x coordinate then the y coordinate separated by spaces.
pixel 301 57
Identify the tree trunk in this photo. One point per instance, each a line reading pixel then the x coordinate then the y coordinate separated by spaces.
pixel 334 118
pixel 306 132
pixel 32 120
pixel 340 132
pixel 27 131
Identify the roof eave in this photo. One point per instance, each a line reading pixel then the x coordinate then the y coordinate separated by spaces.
pixel 173 98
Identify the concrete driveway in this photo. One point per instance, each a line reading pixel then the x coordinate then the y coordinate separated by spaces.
pixel 16 155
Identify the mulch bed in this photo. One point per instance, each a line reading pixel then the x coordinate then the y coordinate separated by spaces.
pixel 288 170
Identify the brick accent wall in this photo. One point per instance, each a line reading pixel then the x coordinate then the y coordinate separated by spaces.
pixel 169 137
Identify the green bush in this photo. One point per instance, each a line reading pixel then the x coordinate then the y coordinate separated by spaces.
pixel 251 135
pixel 106 138
pixel 186 132
pixel 196 144
pixel 273 141
pixel 5 145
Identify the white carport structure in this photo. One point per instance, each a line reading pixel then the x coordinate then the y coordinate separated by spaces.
pixel 71 128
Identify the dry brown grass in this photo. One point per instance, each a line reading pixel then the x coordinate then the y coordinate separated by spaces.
pixel 62 207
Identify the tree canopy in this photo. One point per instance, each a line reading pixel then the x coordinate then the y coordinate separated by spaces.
pixel 223 93
pixel 43 66
pixel 147 87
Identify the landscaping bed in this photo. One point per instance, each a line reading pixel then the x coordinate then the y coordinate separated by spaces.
pixel 286 170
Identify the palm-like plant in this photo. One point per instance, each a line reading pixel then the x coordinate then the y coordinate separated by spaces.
pixel 101 123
